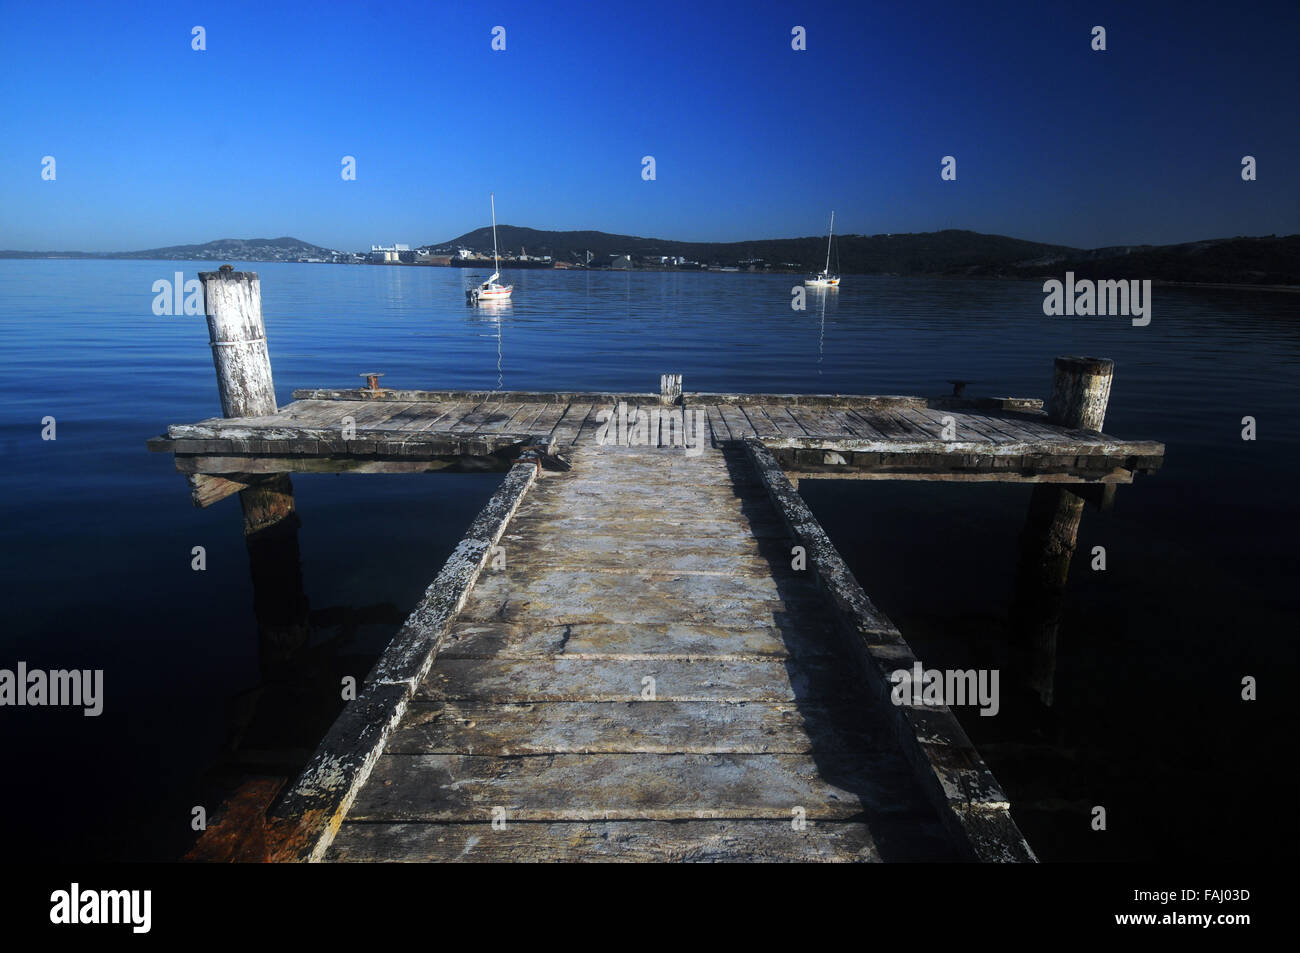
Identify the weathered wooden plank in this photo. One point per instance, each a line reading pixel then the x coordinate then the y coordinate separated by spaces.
pixel 623 679
pixel 567 787
pixel 969 426
pixel 660 727
pixel 592 424
pixel 737 423
pixel 712 841
pixel 644 524
pixel 1023 404
pixel 871 401
pixel 680 641
pixel 845 425
pixel 887 425
pixel 760 422
pixel 302 413
pixel 417 416
pixel 660 551
pixel 525 419
pixel 451 414
pixel 267 464
pixel 326 443
pixel 632 597
pixel 501 418
pixel 369 415
pixel 566 431
pixel 781 418
pixel 917 443
pixel 629 462
pixel 474 396
pixel 634 557
pixel 928 422
pixel 862 424
pixel 718 429
pixel 1072 476
pixel 548 419
pixel 816 422
pixel 479 415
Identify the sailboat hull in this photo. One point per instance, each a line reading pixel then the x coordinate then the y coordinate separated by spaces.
pixel 824 278
pixel 490 290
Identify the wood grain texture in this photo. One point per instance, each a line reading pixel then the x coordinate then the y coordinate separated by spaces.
pixel 636 653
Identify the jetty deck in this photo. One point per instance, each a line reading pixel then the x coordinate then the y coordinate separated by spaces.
pixel 829 436
pixel 646 647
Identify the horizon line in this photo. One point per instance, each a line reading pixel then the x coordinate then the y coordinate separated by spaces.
pixel 742 241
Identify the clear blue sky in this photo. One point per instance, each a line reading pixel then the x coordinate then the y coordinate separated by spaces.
pixel 156 144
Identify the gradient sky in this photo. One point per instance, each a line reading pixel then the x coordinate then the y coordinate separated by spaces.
pixel 158 145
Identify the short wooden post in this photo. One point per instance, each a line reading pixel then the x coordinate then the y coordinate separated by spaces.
pixel 670 389
pixel 1080 391
pixel 233 303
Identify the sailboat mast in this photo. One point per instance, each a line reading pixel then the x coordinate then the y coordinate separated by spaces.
pixel 828 243
pixel 496 262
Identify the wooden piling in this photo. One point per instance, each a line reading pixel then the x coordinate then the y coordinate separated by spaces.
pixel 232 301
pixel 1080 391
pixel 275 565
pixel 670 389
pixel 1047 544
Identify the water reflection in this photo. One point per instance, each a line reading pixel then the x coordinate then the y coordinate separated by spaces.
pixel 823 294
pixel 495 312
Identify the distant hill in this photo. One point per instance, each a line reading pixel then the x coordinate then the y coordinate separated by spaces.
pixel 1240 261
pixel 1266 260
pixel 223 249
pixel 913 253
pixel 951 253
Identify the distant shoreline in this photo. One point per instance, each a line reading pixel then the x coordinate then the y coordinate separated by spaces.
pixel 1266 262
pixel 507 266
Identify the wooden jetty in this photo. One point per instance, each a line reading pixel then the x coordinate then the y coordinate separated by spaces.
pixel 645 647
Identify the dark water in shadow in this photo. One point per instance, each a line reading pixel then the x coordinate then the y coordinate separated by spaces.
pixel 1146 718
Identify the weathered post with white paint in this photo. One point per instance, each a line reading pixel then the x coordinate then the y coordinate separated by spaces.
pixel 670 389
pixel 1080 391
pixel 232 301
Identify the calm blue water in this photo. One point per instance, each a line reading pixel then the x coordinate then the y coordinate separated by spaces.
pixel 1146 718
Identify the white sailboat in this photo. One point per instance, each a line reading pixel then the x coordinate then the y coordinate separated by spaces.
pixel 491 290
pixel 824 279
